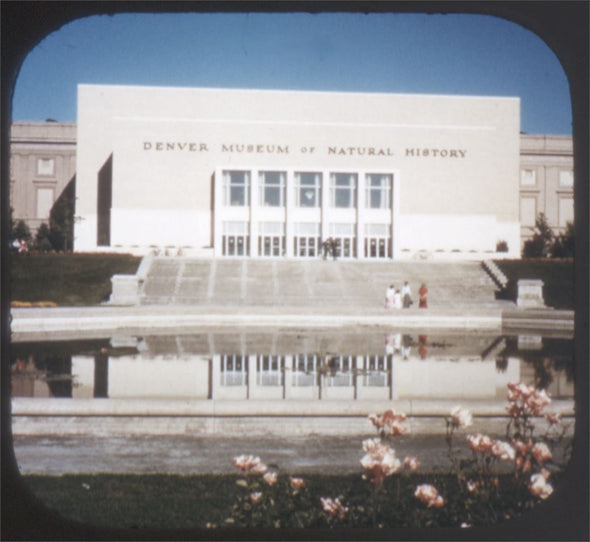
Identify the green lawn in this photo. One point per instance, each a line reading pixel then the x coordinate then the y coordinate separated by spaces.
pixel 67 279
pixel 207 501
pixel 557 276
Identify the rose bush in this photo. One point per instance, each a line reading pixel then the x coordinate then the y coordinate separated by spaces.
pixel 500 480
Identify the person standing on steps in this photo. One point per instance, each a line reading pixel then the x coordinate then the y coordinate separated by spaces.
pixel 325 248
pixel 397 299
pixel 389 297
pixel 406 295
pixel 334 245
pixel 423 293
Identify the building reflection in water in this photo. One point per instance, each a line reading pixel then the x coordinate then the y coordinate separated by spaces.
pixel 301 365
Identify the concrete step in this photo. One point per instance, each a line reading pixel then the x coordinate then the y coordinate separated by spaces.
pixel 310 282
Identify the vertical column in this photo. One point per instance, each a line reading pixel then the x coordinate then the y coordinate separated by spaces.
pixel 395 223
pixel 287 377
pixel 289 205
pixel 251 392
pixel 325 219
pixel 357 363
pixel 395 369
pixel 218 204
pixel 361 214
pixel 254 214
pixel 215 370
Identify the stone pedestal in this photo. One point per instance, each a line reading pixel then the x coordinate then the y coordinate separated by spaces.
pixel 530 342
pixel 530 294
pixel 125 290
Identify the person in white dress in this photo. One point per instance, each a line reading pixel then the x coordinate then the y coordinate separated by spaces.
pixel 389 294
pixel 397 299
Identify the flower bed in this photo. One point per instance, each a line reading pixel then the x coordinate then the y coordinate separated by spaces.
pixel 492 481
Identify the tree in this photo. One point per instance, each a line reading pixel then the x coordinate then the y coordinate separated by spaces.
pixel 22 232
pixel 564 244
pixel 42 239
pixel 541 244
pixel 11 225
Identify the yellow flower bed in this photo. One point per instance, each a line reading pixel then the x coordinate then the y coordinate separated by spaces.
pixel 28 304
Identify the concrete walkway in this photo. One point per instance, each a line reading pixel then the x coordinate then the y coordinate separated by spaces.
pixel 47 323
pixel 194 453
pixel 79 322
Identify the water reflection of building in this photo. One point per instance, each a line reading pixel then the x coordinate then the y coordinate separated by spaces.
pixel 301 376
pixel 135 377
pixel 296 367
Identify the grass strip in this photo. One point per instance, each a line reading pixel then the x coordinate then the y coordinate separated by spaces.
pixel 208 501
pixel 66 279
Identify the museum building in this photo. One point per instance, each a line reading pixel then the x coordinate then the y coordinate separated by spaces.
pixel 262 173
pixel 272 173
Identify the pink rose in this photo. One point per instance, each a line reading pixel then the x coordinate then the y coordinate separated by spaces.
pixel 429 495
pixel 334 508
pixel 503 450
pixel 479 443
pixel 541 452
pixel 461 417
pixel 539 486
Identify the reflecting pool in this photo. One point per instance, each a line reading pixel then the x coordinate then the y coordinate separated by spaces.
pixel 289 364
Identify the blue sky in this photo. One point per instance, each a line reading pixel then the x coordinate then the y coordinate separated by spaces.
pixel 397 53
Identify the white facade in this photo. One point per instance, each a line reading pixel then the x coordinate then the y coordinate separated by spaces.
pixel 274 173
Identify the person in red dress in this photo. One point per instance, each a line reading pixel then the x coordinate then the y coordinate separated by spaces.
pixel 423 293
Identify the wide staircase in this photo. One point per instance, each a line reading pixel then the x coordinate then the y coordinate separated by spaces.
pixel 318 283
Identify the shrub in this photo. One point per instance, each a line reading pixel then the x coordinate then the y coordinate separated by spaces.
pixel 502 246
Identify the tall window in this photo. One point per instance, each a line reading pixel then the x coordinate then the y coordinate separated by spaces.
pixel 377 241
pixel 566 178
pixel 271 239
pixel 234 370
pixel 46 166
pixel 528 211
pixel 340 371
pixel 378 191
pixel 270 370
pixel 235 239
pixel 236 188
pixel 344 236
pixel 306 242
pixel 528 177
pixel 307 189
pixel 44 202
pixel 375 371
pixel 305 369
pixel 272 188
pixel 343 189
pixel 565 211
